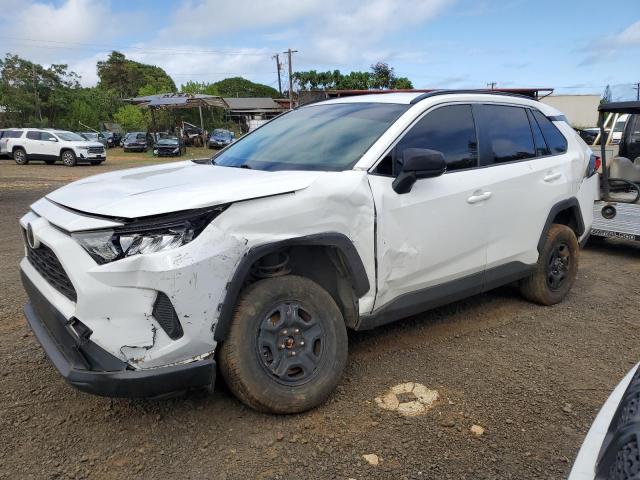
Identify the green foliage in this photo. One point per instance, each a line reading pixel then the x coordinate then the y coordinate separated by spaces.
pixel 231 87
pixel 131 118
pixel 34 95
pixel 129 78
pixel 380 76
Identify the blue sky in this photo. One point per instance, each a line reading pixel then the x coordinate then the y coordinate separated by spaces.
pixel 565 45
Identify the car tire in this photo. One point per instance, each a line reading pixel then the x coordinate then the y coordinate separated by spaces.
pixel 20 156
pixel 287 346
pixel 68 158
pixel 556 269
pixel 49 162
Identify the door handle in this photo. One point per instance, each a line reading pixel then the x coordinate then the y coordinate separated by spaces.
pixel 552 177
pixel 480 197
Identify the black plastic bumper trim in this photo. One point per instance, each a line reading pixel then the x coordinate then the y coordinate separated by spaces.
pixel 71 358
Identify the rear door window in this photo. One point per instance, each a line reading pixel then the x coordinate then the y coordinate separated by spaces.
pixel 47 136
pixel 33 135
pixel 555 140
pixel 506 134
pixel 450 130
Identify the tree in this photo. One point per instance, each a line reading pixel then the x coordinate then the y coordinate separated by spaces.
pixel 380 76
pixel 231 87
pixel 128 78
pixel 131 118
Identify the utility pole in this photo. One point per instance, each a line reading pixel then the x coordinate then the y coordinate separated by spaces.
pixel 35 91
pixel 289 52
pixel 637 89
pixel 278 67
pixel 491 85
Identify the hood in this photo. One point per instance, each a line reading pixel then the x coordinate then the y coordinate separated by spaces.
pixel 85 143
pixel 172 187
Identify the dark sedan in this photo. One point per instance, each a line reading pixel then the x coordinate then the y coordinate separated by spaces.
pixel 136 142
pixel 169 147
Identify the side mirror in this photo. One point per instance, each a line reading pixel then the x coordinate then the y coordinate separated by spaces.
pixel 53 139
pixel 418 163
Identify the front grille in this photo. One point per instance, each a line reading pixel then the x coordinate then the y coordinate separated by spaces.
pixel 96 150
pixel 47 264
pixel 166 316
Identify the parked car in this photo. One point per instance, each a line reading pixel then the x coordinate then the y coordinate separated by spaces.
pixel 220 138
pixel 618 128
pixel 112 139
pixel 610 450
pixel 588 134
pixel 5 135
pixel 169 147
pixel 53 145
pixel 94 137
pixel 344 214
pixel 137 142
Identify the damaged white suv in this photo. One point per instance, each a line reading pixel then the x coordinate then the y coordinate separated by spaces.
pixel 345 214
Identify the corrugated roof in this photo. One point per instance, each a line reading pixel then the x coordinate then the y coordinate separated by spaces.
pixel 252 103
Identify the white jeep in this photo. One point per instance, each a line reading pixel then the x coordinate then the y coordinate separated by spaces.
pixel 345 214
pixel 53 145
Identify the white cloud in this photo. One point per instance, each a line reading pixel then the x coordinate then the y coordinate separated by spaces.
pixel 628 37
pixel 608 47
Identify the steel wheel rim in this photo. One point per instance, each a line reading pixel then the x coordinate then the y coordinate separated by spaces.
pixel 19 156
pixel 67 158
pixel 290 344
pixel 558 266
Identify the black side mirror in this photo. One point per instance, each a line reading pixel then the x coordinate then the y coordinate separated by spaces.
pixel 418 163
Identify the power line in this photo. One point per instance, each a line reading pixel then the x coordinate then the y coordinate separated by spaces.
pixel 168 51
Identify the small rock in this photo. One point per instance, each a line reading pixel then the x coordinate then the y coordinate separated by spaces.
pixel 568 408
pixel 448 423
pixel 279 436
pixel 477 430
pixel 371 458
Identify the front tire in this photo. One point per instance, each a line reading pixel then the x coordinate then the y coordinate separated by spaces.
pixel 556 269
pixel 20 156
pixel 287 347
pixel 68 158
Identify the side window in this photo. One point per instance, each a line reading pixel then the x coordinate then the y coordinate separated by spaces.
pixel 538 139
pixel 506 132
pixel 47 136
pixel 555 140
pixel 31 135
pixel 450 130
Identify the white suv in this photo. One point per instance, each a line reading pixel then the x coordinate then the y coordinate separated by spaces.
pixel 53 145
pixel 345 214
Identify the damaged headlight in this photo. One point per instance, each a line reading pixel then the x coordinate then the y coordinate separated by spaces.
pixel 148 235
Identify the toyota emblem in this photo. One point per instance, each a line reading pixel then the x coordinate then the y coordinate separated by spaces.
pixel 31 238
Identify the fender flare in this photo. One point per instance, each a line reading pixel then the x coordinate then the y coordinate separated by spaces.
pixel 339 241
pixel 570 204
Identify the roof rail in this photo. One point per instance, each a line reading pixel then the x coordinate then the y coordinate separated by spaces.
pixel 484 91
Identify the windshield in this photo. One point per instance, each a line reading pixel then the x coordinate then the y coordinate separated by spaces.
pixel 70 136
pixel 329 137
pixel 221 133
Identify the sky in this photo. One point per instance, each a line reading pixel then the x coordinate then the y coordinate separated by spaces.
pixel 562 44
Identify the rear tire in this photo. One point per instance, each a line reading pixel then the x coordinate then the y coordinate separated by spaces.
pixel 556 268
pixel 287 347
pixel 20 156
pixel 68 158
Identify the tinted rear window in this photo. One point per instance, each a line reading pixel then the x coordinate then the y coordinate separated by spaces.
pixel 555 140
pixel 10 134
pixel 449 130
pixel 33 135
pixel 507 133
pixel 538 139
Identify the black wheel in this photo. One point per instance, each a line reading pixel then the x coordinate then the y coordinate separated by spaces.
pixel 68 158
pixel 49 162
pixel 20 156
pixel 556 269
pixel 287 347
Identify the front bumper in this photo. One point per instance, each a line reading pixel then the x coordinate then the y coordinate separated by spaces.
pixel 89 368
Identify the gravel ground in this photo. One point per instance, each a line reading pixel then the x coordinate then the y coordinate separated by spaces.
pixel 533 377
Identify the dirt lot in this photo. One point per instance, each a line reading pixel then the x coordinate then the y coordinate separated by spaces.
pixel 533 377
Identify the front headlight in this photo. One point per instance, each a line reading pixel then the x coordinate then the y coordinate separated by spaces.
pixel 83 147
pixel 147 235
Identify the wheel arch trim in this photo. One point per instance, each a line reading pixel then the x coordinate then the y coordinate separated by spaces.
pixel 339 241
pixel 570 205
